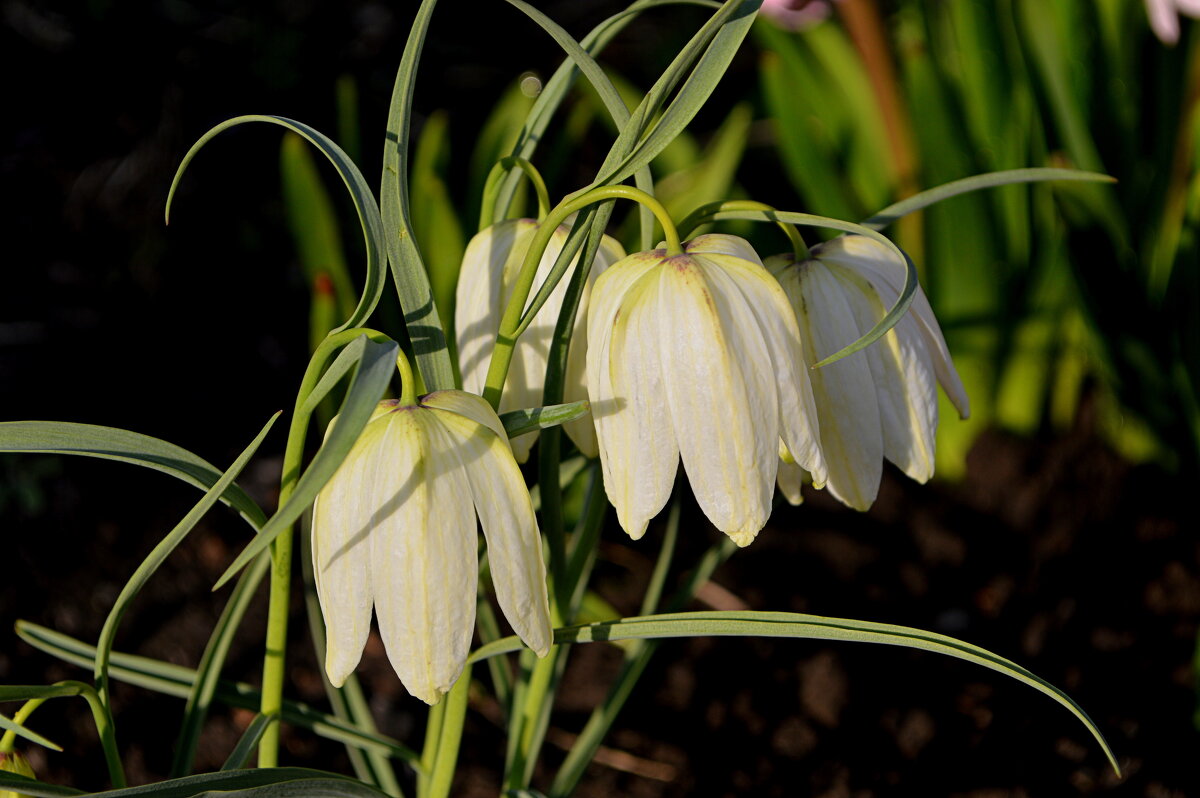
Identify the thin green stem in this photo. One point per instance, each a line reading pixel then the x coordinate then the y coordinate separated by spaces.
pixel 8 741
pixel 450 737
pixel 104 729
pixel 408 385
pixel 703 214
pixel 281 548
pixel 510 323
pixel 495 179
pixel 429 751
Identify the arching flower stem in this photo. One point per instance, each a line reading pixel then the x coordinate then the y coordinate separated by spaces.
pixel 513 321
pixel 704 214
pixel 491 188
pixel 281 548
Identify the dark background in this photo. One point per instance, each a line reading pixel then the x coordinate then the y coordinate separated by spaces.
pixel 1052 552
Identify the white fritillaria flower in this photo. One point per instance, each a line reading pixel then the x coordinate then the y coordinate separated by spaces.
pixel 395 527
pixel 697 356
pixel 485 283
pixel 879 402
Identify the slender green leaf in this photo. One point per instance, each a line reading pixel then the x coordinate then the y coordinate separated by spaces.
pixel 261 782
pixel 916 202
pixel 10 725
pixel 159 555
pixel 796 625
pixel 108 443
pixel 360 193
pixel 176 680
pixel 21 785
pixel 518 422
pixel 372 373
pixel 435 222
pixel 248 741
pixel 425 328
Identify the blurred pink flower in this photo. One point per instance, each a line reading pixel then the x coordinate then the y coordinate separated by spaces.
pixel 796 15
pixel 1164 16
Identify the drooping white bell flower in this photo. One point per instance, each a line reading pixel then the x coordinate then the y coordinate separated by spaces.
pixel 489 270
pixel 697 356
pixel 879 402
pixel 395 528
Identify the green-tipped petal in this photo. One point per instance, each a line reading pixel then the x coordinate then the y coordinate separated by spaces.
pixel 721 244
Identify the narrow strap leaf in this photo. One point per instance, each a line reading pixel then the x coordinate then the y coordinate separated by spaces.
pixel 109 443
pixel 917 202
pixel 249 739
pixel 10 725
pixel 408 270
pixel 17 784
pixel 159 555
pixel 257 781
pixel 519 422
pixel 797 625
pixel 360 193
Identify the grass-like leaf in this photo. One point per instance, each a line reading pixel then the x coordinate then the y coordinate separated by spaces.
pixel 259 782
pixel 360 193
pixel 17 784
pixel 109 443
pixel 249 740
pixel 796 625
pixel 176 680
pixel 10 725
pixel 518 422
pixel 916 202
pixel 408 271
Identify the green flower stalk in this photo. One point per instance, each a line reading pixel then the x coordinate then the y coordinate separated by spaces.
pixel 697 358
pixel 878 403
pixel 395 529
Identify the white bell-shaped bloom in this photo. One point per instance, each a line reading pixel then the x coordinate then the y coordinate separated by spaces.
pixel 879 402
pixel 490 267
pixel 395 528
pixel 697 356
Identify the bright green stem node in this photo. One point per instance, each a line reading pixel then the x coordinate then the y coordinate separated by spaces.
pixel 703 214
pixel 281 548
pixel 495 180
pixel 510 323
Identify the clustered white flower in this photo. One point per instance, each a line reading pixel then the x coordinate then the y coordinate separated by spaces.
pixel 703 357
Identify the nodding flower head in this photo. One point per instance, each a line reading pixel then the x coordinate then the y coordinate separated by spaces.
pixel 697 357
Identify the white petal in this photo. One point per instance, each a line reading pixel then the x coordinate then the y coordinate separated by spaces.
pixel 466 404
pixel 722 244
pixel 506 514
pixel 344 520
pixel 1163 20
pixel 789 479
pixel 880 266
pixel 424 550
pixel 851 435
pixel 722 395
pixel 638 452
pixel 905 384
pixel 478 299
pixel 777 321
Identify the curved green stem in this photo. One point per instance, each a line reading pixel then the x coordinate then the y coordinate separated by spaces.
pixel 702 216
pixel 493 184
pixel 511 322
pixel 408 385
pixel 281 548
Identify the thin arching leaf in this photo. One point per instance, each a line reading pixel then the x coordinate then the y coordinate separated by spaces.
pixel 10 725
pixel 360 194
pixel 259 782
pixel 917 202
pixel 248 742
pixel 796 625
pixel 519 422
pixel 17 784
pixel 109 443
pixel 408 270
